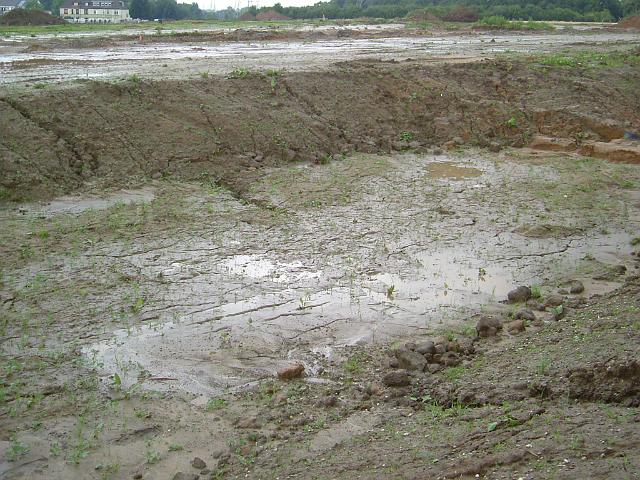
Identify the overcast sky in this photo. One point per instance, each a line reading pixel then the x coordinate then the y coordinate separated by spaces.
pixel 222 4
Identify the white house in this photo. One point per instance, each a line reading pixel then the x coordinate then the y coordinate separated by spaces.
pixel 8 5
pixel 94 11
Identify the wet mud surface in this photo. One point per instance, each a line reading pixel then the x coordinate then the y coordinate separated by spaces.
pixel 192 299
pixel 27 60
pixel 271 275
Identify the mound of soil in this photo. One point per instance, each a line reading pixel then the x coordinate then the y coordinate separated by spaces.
pixel 21 17
pixel 420 16
pixel 230 128
pixel 247 17
pixel 270 16
pixel 630 22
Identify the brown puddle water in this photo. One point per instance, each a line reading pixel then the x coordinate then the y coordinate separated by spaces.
pixel 451 170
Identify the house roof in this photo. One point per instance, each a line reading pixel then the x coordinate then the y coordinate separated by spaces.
pixel 104 4
pixel 12 3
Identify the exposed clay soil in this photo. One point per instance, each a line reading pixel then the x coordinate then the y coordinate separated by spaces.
pixel 119 134
pixel 311 275
pixel 19 16
pixel 630 22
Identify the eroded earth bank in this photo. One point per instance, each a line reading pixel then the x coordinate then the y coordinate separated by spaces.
pixel 169 246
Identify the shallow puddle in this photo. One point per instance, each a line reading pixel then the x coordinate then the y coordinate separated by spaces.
pixel 451 171
pixel 75 204
pixel 390 264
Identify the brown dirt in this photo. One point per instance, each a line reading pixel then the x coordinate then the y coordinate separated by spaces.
pixel 270 16
pixel 21 17
pixel 229 128
pixel 630 22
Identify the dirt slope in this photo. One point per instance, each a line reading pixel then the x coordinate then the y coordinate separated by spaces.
pixel 19 16
pixel 119 134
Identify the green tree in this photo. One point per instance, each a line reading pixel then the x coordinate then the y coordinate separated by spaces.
pixel 140 9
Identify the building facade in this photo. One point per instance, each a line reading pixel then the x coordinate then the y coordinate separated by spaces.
pixel 95 11
pixel 8 5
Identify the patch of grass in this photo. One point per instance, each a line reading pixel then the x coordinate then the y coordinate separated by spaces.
pixel 406 136
pixel 16 448
pixel 501 23
pixel 543 366
pixel 355 364
pixel 239 73
pixel 152 456
pixel 455 373
pixel 215 404
pixel 587 59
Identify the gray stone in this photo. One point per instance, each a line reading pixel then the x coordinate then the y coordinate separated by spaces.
pixel 519 295
pixel 575 287
pixel 198 463
pixel 186 476
pixel 488 326
pixel 554 300
pixel 525 314
pixel 398 378
pixel 425 348
pixel 410 360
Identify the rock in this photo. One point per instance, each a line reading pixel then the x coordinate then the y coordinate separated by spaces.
pixel 410 346
pixel 398 378
pixel 466 346
pixel 554 300
pixel 280 398
pixel 394 363
pixel 495 147
pixel 517 326
pixel 248 422
pixel 329 401
pixel 156 175
pixel 374 389
pixel 519 295
pixel 410 360
pixel 437 151
pixel 488 326
pixel 434 367
pixel 536 305
pixel 291 372
pixel 198 463
pixel 186 476
pixel 575 287
pixel 217 453
pixel 524 314
pixel 453 346
pixel 425 348
pixel 611 273
pixel 450 359
pixel 559 313
pixel 441 340
pixel 137 476
pixel 440 348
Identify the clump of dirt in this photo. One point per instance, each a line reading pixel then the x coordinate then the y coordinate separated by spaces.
pixel 632 22
pixel 270 16
pixel 230 128
pixel 22 17
pixel 421 16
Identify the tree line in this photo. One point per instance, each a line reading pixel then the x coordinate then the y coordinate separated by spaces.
pixel 568 10
pixel 448 10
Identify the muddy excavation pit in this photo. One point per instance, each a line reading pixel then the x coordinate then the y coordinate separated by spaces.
pixel 274 273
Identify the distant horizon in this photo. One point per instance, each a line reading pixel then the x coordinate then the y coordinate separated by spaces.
pixel 224 4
